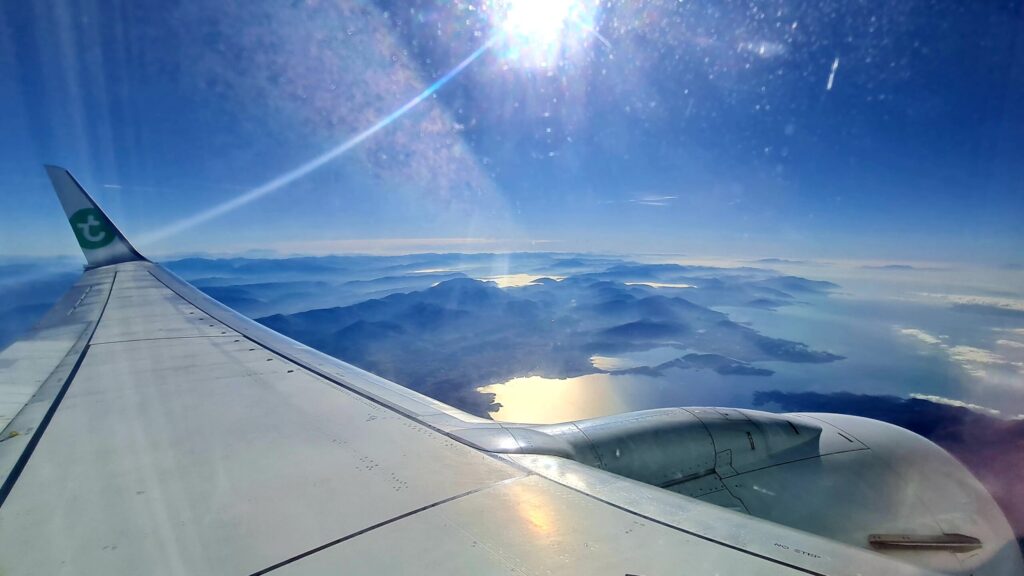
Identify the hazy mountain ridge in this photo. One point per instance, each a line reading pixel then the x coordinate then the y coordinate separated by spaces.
pixel 460 334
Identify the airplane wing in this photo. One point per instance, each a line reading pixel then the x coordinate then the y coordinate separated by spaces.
pixel 148 429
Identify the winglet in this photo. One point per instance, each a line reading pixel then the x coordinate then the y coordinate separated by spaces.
pixel 101 241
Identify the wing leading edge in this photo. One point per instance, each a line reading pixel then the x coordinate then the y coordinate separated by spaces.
pixel 154 430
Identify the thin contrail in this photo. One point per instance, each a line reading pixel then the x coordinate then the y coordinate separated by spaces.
pixel 304 169
pixel 832 73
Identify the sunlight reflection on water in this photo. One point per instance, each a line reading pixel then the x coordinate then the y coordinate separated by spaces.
pixel 516 280
pixel 652 357
pixel 878 360
pixel 539 400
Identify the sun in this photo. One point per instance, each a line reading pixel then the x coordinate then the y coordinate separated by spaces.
pixel 537 21
pixel 540 32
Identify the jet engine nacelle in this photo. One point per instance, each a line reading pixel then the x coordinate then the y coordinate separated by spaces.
pixel 855 480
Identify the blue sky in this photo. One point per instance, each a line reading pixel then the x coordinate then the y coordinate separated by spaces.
pixel 701 128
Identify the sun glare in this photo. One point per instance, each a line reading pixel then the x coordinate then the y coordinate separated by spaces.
pixel 538 32
pixel 539 21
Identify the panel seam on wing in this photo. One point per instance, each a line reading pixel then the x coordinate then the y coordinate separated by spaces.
pixel 391 520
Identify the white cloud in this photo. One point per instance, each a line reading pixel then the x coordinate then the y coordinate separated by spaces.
pixel 986 366
pixel 921 335
pixel 972 355
pixel 959 403
pixel 968 299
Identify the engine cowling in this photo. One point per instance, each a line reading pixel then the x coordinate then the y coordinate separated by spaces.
pixel 859 481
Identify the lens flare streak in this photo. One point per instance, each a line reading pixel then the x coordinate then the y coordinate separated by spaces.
pixel 294 174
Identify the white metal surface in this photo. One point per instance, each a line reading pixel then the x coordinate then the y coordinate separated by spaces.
pixel 528 526
pixel 185 449
pixel 33 372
